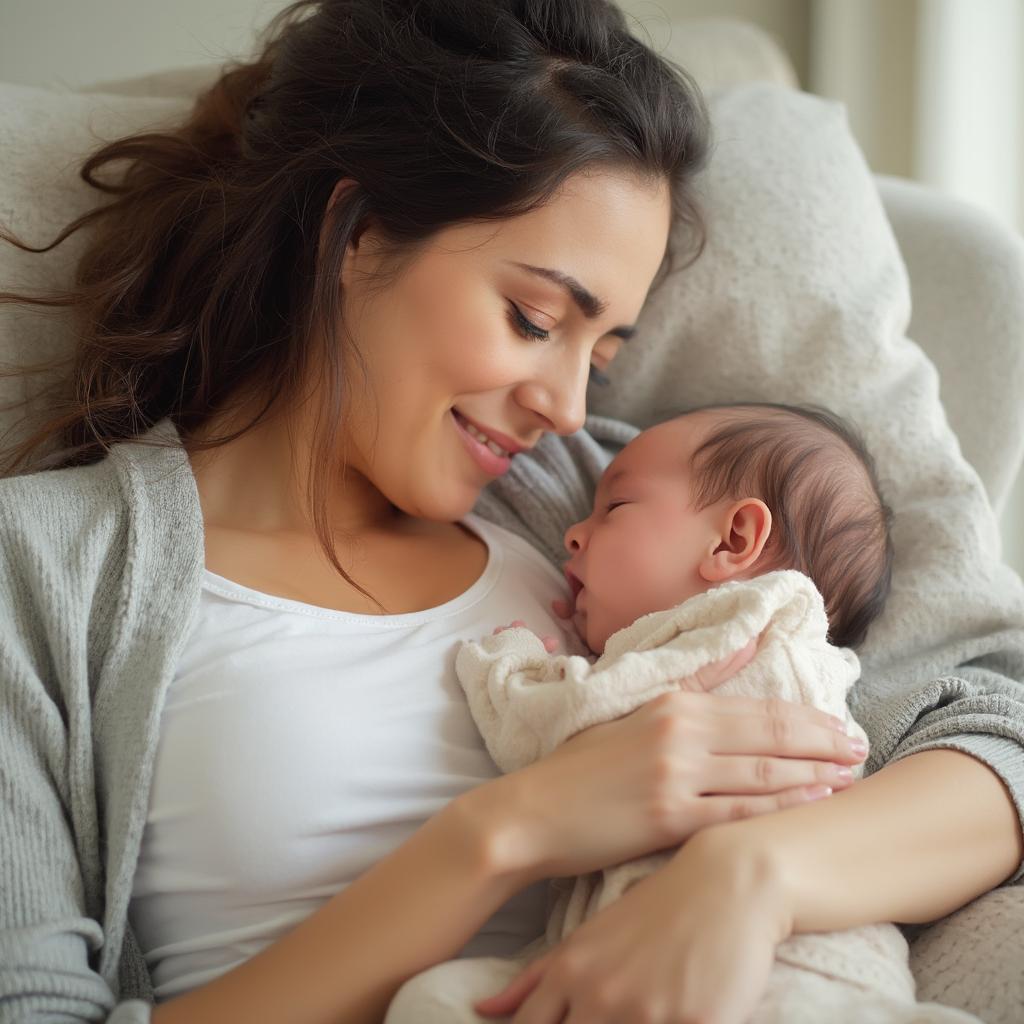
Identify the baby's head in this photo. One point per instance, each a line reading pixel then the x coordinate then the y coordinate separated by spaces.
pixel 728 493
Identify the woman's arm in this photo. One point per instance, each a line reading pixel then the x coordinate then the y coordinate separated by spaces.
pixel 695 940
pixel 412 909
pixel 911 843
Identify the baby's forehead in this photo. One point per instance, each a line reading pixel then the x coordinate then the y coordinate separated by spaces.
pixel 679 436
pixel 662 450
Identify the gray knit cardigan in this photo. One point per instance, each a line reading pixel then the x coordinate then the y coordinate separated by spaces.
pixel 100 573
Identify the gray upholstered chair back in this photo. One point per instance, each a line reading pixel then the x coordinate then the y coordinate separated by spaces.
pixel 967 288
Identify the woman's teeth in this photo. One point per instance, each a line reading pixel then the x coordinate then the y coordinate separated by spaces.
pixel 483 438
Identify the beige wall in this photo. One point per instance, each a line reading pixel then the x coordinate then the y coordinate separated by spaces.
pixel 70 43
pixel 845 38
pixel 787 20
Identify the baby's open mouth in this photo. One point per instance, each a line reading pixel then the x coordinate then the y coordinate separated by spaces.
pixel 575 583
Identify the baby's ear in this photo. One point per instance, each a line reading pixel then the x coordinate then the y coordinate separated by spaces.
pixel 744 528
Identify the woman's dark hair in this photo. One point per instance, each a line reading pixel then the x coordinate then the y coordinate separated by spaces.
pixel 202 285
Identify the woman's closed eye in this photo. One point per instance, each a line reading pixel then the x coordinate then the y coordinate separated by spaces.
pixel 529 330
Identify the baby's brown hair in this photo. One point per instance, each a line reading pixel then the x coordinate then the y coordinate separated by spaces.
pixel 819 481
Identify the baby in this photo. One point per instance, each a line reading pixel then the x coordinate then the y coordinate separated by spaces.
pixel 716 527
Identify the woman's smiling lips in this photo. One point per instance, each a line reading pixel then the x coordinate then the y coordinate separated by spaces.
pixel 490 462
pixel 500 439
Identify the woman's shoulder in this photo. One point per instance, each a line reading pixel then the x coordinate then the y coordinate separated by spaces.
pixel 49 503
pixel 64 519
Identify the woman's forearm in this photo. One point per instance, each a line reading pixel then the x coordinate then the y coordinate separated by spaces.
pixel 414 908
pixel 911 843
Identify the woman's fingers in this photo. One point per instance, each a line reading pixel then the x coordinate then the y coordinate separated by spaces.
pixel 727 705
pixel 774 774
pixel 714 810
pixel 779 733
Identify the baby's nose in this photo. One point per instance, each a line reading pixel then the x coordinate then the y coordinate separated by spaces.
pixel 574 537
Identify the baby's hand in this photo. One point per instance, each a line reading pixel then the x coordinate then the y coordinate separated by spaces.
pixel 550 643
pixel 565 609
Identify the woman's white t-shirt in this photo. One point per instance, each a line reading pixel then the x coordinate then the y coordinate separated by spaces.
pixel 298 746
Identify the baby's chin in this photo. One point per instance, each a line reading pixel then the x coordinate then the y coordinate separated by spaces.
pixel 597 628
pixel 581 626
pixel 592 632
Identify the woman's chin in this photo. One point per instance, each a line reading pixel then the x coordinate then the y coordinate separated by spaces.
pixel 440 507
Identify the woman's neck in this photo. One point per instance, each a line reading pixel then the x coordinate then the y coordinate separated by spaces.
pixel 258 481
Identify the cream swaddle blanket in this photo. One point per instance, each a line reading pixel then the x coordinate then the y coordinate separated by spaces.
pixel 526 702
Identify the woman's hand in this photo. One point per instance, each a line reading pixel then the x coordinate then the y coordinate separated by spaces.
pixel 649 780
pixel 694 941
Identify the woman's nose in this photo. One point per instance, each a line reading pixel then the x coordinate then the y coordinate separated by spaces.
pixel 560 396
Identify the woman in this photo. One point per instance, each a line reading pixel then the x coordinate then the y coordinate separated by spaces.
pixel 405 229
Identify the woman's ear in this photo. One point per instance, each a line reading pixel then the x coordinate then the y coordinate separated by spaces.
pixel 745 527
pixel 342 186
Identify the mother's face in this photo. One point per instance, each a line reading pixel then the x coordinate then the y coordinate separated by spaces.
pixel 469 336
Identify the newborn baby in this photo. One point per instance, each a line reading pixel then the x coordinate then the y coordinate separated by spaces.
pixel 713 528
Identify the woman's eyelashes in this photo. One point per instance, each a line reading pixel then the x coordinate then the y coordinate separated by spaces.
pixel 529 330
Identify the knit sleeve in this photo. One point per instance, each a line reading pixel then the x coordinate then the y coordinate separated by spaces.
pixel 50 937
pixel 973 710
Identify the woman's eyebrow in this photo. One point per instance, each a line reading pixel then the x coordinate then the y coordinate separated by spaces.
pixel 588 303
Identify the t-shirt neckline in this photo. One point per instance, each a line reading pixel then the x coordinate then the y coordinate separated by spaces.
pixel 238 592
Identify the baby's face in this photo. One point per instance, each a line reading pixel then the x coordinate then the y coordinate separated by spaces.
pixel 640 549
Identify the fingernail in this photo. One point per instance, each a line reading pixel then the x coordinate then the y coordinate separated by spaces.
pixel 859 747
pixel 844 773
pixel 817 792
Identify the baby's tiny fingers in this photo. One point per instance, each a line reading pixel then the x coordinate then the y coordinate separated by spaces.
pixel 511 625
pixel 550 644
